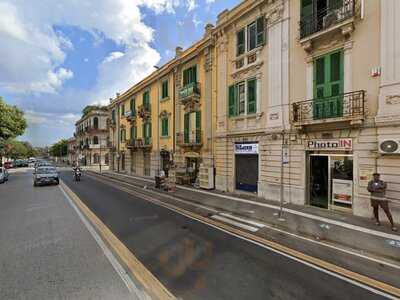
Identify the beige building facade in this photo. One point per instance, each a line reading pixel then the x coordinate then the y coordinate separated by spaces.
pixel 91 137
pixel 294 101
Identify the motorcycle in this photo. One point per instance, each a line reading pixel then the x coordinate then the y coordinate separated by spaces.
pixel 77 175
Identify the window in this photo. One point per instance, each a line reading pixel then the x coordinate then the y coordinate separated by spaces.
pixel 95 140
pixel 192 127
pixel 255 35
pixel 251 36
pixel 164 127
pixel 123 135
pixel 240 42
pixel 122 109
pixel 164 89
pixel 146 99
pixel 242 98
pixel 251 96
pixel 328 85
pixel 190 75
pixel 133 104
pixel 133 132
pixel 113 115
pixel 95 122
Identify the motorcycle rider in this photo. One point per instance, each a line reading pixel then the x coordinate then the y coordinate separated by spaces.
pixel 76 170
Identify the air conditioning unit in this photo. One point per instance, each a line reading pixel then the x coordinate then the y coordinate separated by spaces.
pixel 389 146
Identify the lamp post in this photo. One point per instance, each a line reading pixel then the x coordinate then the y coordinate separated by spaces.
pixel 100 140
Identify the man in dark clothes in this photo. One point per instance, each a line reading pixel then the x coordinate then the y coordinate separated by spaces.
pixel 377 188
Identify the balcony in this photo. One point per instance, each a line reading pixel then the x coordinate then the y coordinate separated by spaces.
pixel 347 107
pixel 339 13
pixel 130 115
pixel 192 139
pixel 139 143
pixel 190 93
pixel 111 123
pixel 144 111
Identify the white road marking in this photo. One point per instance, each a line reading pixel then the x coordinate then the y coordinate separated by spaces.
pixel 294 212
pixel 138 293
pixel 380 261
pixel 234 223
pixel 349 280
pixel 248 221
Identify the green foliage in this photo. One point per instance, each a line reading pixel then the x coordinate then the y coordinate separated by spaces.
pixel 12 122
pixel 16 149
pixel 89 108
pixel 59 149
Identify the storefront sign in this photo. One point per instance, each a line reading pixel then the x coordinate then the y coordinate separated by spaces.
pixel 339 144
pixel 246 148
pixel 342 191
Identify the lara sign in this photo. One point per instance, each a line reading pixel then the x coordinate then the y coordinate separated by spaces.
pixel 246 148
pixel 339 144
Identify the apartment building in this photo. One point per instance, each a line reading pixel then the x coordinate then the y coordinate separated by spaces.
pixel 295 101
pixel 72 148
pixel 252 63
pixel 160 123
pixel 91 136
pixel 344 74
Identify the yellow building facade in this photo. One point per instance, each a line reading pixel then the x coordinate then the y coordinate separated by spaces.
pixel 160 123
pixel 294 101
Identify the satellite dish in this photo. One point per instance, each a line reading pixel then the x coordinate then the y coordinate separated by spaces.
pixel 389 146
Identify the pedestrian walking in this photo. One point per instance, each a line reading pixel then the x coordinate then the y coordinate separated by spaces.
pixel 377 188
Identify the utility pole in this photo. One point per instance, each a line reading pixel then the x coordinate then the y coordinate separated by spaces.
pixel 100 154
pixel 283 162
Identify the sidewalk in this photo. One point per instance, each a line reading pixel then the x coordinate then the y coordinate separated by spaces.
pixel 347 230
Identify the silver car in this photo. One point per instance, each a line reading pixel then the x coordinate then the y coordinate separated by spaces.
pixel 45 175
pixel 3 175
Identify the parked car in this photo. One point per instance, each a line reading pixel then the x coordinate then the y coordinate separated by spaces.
pixel 8 165
pixel 3 175
pixel 45 175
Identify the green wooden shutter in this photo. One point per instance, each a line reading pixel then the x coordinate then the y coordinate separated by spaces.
pixel 185 77
pixel 232 101
pixel 252 96
pixel 122 109
pixel 186 127
pixel 328 86
pixel 240 42
pixel 251 36
pixel 194 74
pixel 306 8
pixel 260 31
pixel 198 127
pixel 164 127
pixel 133 132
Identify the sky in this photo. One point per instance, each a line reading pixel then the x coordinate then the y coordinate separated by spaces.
pixel 56 57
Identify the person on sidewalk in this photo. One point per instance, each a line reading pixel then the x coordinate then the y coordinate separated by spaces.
pixel 377 188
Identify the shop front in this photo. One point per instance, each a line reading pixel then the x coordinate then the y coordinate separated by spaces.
pixel 330 174
pixel 246 167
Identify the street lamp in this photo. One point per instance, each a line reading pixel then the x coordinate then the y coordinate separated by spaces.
pixel 100 140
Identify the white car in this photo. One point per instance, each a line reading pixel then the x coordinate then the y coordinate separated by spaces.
pixel 3 175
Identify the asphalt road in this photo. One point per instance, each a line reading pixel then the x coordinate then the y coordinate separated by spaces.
pixel 196 261
pixel 46 252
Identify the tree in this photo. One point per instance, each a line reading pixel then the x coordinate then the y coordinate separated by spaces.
pixel 15 149
pixel 59 149
pixel 12 124
pixel 12 121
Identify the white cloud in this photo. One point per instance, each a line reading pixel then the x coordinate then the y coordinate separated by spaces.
pixel 32 50
pixel 191 5
pixel 196 22
pixel 210 1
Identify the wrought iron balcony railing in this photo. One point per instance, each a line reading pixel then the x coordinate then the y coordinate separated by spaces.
pixel 130 115
pixel 336 12
pixel 343 107
pixel 144 111
pixel 190 92
pixel 189 139
pixel 138 143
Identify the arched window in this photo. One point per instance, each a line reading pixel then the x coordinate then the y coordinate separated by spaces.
pixel 95 140
pixel 95 122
